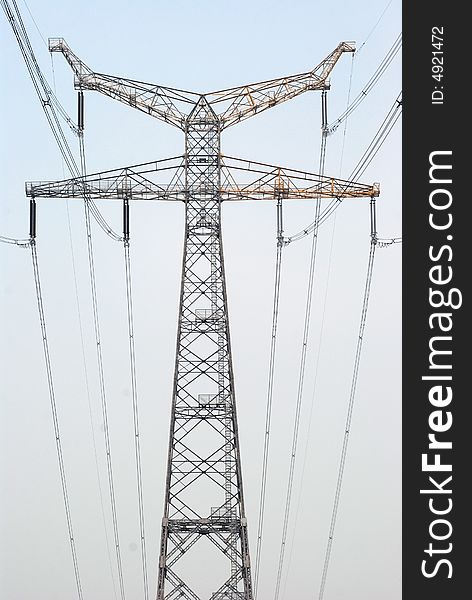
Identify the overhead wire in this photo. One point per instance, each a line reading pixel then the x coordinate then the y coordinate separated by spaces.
pixel 101 374
pixel 55 419
pixel 363 163
pixel 381 243
pixel 377 23
pixel 50 105
pixel 86 377
pixel 23 243
pixel 310 416
pixel 381 69
pixel 367 157
pixel 352 396
pixel 318 354
pixel 35 24
pixel 382 133
pixel 343 146
pixel 386 242
pixel 43 89
pixel 374 146
pixel 379 139
pixel 26 50
pixel 134 395
pixel 301 376
pixel 89 401
pixel 270 392
pixel 132 356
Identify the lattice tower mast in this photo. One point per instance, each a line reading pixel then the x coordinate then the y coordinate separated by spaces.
pixel 204 489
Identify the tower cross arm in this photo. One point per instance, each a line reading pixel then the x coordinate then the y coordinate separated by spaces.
pixel 242 102
pixel 157 101
pixel 134 183
pixel 270 181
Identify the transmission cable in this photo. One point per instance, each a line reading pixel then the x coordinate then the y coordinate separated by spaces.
pixel 379 139
pixel 343 146
pixel 387 6
pixel 50 105
pixel 306 328
pixel 35 24
pixel 365 160
pixel 101 375
pixel 310 416
pixel 49 102
pixel 270 391
pixel 363 163
pixel 318 355
pixel 352 395
pixel 23 243
pixel 55 419
pixel 89 401
pixel 85 370
pixel 386 61
pixel 386 242
pixel 134 394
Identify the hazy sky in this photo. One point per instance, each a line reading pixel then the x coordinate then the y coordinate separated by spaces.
pixel 200 45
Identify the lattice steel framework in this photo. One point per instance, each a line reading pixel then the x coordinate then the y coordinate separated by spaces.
pixel 204 491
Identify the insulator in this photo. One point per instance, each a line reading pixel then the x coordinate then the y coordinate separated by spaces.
pixel 32 229
pixel 324 110
pixel 80 110
pixel 126 219
pixel 373 218
pixel 279 218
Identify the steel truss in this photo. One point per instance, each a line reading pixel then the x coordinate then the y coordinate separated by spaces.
pixel 204 490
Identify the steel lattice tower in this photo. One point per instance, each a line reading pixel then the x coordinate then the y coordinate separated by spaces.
pixel 203 404
pixel 204 492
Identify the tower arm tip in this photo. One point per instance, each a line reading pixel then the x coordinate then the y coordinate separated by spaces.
pixel 245 101
pixel 78 67
pixel 348 46
pixel 156 101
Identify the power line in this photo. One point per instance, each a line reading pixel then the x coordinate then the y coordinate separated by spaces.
pixel 363 163
pixel 35 24
pixel 310 417
pixel 87 389
pixel 386 242
pixel 299 399
pixel 101 375
pixel 50 104
pixel 85 369
pixel 84 361
pixel 134 394
pixel 386 61
pixel 319 348
pixel 306 328
pixel 270 392
pixel 23 243
pixel 55 419
pixel 132 354
pixel 379 138
pixel 387 6
pixel 352 395
pixel 346 119
pixel 374 146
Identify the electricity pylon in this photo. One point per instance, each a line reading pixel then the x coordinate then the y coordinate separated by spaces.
pixel 204 488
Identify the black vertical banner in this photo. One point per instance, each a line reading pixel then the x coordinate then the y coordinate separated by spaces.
pixel 437 262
